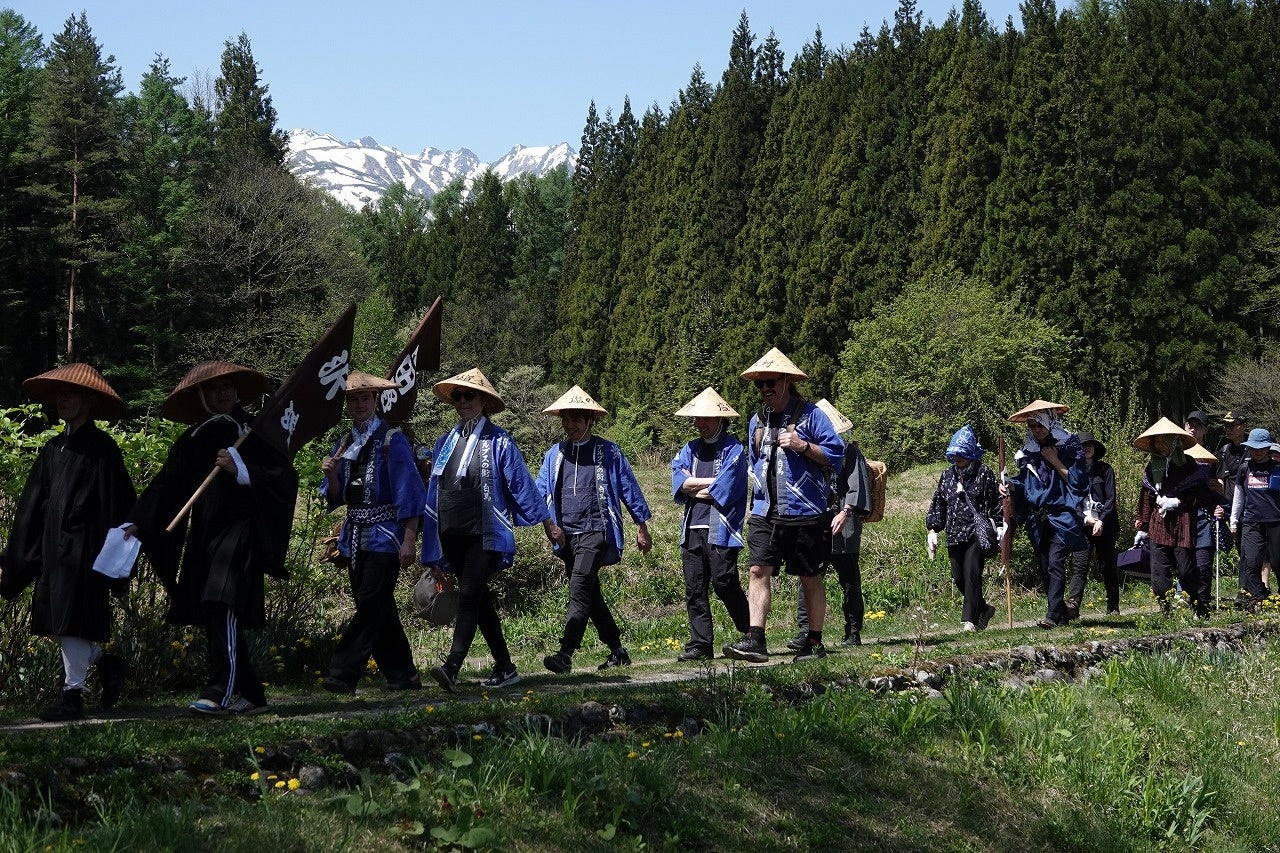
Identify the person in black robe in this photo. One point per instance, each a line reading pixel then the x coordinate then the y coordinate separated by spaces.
pixel 236 533
pixel 77 490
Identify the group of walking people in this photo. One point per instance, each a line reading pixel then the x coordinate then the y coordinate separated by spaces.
pixel 793 492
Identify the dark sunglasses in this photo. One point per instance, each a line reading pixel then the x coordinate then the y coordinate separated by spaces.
pixel 766 383
pixel 459 394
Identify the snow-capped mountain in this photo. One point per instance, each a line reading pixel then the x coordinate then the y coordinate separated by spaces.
pixel 359 172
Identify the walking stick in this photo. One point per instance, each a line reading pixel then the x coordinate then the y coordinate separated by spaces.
pixel 177 519
pixel 1006 538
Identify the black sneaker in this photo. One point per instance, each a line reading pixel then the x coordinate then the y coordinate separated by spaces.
pixel 112 671
pixel 410 682
pixel 799 641
pixel 694 653
pixel 984 618
pixel 504 677
pixel 445 676
pixel 747 649
pixel 811 651
pixel 70 706
pixel 559 663
pixel 853 638
pixel 617 657
pixel 336 685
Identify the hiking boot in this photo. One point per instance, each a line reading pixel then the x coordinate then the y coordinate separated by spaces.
pixel 242 707
pixel 694 653
pixel 112 671
pixel 1047 623
pixel 984 618
pixel 336 685
pixel 503 677
pixel 617 657
pixel 752 651
pixel 853 638
pixel 446 676
pixel 811 651
pixel 409 682
pixel 1073 608
pixel 207 708
pixel 799 641
pixel 70 706
pixel 559 663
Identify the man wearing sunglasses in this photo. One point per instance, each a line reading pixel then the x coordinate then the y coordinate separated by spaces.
pixel 792 446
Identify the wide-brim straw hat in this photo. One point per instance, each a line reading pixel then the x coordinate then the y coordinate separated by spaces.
pixel 1164 426
pixel 772 363
pixel 183 403
pixel 1021 416
pixel 358 380
pixel 476 381
pixel 707 404
pixel 1200 453
pixel 1088 438
pixel 106 404
pixel 839 421
pixel 575 400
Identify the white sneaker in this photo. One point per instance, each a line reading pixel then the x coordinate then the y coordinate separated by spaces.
pixel 968 626
pixel 207 708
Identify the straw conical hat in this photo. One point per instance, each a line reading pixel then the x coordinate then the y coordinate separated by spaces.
pixel 106 402
pixel 1164 426
pixel 183 403
pixel 358 380
pixel 839 421
pixel 1022 414
pixel 1200 453
pixel 774 362
pixel 476 381
pixel 575 400
pixel 708 404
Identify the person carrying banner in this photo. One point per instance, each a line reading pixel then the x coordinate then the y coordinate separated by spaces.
pixel 76 491
pixel 479 489
pixel 584 481
pixel 372 471
pixel 792 447
pixel 237 532
pixel 709 479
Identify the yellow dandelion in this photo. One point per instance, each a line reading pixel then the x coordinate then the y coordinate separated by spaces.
pixel 678 733
pixel 280 784
pixel 254 776
pixel 645 744
pixel 666 734
pixel 260 749
pixel 777 734
pixel 272 776
pixel 431 709
pixel 294 784
pixel 477 737
pixel 633 754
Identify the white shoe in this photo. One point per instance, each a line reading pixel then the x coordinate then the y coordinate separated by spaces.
pixel 207 708
pixel 968 626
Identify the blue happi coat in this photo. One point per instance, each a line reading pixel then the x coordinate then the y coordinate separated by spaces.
pixel 801 483
pixel 615 485
pixel 390 480
pixel 509 495
pixel 728 489
pixel 1045 494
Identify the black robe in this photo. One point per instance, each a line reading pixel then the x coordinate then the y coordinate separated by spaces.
pixel 77 490
pixel 233 535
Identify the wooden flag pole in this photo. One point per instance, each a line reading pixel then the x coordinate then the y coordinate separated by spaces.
pixel 186 508
pixel 1006 539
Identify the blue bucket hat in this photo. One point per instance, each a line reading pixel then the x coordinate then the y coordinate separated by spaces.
pixel 964 444
pixel 1259 439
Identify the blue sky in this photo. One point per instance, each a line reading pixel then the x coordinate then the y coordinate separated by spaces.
pixel 481 75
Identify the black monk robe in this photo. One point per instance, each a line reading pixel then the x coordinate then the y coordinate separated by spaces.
pixel 78 489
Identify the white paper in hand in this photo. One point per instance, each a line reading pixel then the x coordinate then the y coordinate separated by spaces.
pixel 118 554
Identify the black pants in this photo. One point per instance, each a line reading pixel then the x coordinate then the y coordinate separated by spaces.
pixel 966 573
pixel 1167 559
pixel 711 567
pixel 230 670
pixel 852 606
pixel 583 554
pixel 1054 557
pixel 1104 549
pixel 1258 542
pixel 474 566
pixel 375 630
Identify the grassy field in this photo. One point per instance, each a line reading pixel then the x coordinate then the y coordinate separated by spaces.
pixel 1174 750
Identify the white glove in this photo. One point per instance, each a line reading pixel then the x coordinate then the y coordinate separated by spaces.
pixel 1139 538
pixel 1001 529
pixel 933 543
pixel 1167 504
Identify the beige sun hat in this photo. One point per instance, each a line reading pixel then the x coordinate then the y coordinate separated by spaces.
pixel 358 380
pixel 575 400
pixel 476 381
pixel 839 421
pixel 106 404
pixel 183 403
pixel 707 404
pixel 1200 453
pixel 1164 426
pixel 1034 406
pixel 774 362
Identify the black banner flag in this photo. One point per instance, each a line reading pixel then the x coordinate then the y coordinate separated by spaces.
pixel 420 355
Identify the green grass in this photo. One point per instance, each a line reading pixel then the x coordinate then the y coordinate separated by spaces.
pixel 1169 751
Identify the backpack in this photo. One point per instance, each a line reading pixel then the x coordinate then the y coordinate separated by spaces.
pixel 877 480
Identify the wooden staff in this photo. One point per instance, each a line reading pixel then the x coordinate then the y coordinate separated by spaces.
pixel 1006 538
pixel 186 508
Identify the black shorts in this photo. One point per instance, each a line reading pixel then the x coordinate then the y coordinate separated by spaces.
pixel 799 548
